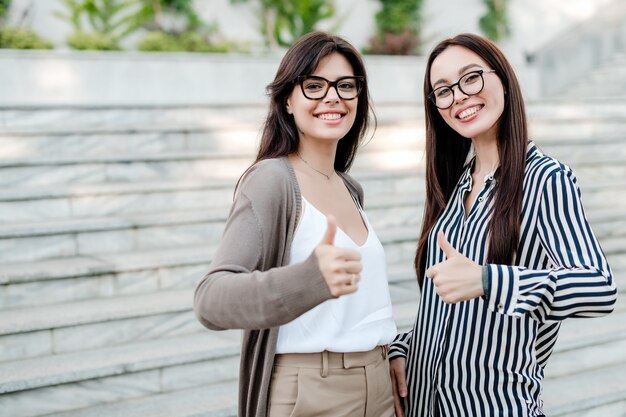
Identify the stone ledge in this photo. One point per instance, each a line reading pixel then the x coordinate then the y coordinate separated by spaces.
pixel 149 187
pixel 51 316
pixel 208 156
pixel 606 223
pixel 140 220
pixel 217 400
pixel 97 224
pixel 586 391
pixel 75 267
pixel 76 366
pixel 28 319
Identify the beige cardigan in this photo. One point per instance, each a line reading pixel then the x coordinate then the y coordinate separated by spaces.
pixel 249 284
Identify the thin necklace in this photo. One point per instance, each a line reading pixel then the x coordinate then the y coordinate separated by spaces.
pixel 313 168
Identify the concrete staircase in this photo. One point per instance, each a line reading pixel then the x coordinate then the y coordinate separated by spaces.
pixel 109 217
pixel 606 81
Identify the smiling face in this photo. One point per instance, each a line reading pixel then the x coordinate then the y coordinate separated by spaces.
pixel 474 116
pixel 330 118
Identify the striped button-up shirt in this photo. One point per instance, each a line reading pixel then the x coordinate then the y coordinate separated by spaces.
pixel 486 356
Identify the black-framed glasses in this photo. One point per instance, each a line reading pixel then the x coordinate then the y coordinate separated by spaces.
pixel 470 84
pixel 316 88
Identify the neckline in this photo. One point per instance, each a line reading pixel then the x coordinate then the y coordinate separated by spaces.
pixel 363 219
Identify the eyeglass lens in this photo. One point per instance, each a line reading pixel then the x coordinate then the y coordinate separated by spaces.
pixel 470 84
pixel 316 88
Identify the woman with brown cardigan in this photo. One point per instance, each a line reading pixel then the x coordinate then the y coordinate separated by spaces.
pixel 299 267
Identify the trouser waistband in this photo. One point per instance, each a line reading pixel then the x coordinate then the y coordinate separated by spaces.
pixel 331 360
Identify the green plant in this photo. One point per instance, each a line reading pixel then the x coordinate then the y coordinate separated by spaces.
pixel 110 17
pixel 397 27
pixel 188 42
pixel 92 41
pixel 21 38
pixel 73 13
pixel 4 9
pixel 158 41
pixel 110 21
pixel 495 23
pixel 282 22
pixel 151 15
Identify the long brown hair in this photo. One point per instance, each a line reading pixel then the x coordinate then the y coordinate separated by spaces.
pixel 446 152
pixel 280 135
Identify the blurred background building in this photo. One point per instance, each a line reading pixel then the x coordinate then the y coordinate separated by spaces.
pixel 124 126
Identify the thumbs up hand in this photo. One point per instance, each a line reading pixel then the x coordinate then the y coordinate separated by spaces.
pixel 340 267
pixel 457 278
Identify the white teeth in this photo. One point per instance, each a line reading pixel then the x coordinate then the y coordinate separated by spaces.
pixel 468 112
pixel 329 116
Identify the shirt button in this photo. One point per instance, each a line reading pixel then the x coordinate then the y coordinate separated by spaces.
pixel 500 307
pixel 481 198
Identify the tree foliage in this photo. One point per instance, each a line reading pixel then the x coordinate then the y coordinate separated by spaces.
pixel 154 14
pixel 495 23
pixel 22 38
pixel 398 26
pixel 4 10
pixel 109 21
pixel 282 22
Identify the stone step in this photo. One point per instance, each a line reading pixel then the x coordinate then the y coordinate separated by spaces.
pixel 50 329
pixel 24 284
pixel 91 324
pixel 36 400
pixel 88 324
pixel 32 120
pixel 87 372
pixel 238 138
pixel 114 199
pixel 180 166
pixel 605 82
pixel 93 236
pixel 598 392
pixel 118 199
pixel 217 400
pixel 243 138
pixel 68 119
pixel 581 340
pixel 51 370
pixel 575 108
pixel 186 360
pixel 382 213
pixel 118 274
pixel 196 165
pixel 122 274
pixel 61 120
pixel 64 382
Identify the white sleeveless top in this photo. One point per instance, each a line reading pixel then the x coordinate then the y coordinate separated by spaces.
pixel 351 323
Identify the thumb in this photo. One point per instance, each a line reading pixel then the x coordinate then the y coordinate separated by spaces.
pixel 445 246
pixel 329 236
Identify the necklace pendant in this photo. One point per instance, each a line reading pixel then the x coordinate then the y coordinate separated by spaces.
pixel 313 168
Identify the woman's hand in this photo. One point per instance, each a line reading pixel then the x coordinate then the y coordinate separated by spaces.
pixel 457 278
pixel 397 371
pixel 340 267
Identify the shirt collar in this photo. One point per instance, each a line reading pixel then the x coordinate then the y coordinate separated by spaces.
pixel 466 177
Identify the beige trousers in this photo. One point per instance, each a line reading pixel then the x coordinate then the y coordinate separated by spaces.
pixel 331 384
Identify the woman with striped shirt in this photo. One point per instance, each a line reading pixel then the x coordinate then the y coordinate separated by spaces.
pixel 505 252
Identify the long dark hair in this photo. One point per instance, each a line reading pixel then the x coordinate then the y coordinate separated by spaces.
pixel 446 152
pixel 280 135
